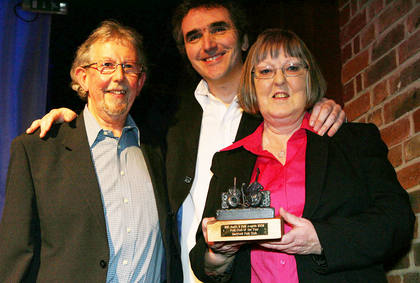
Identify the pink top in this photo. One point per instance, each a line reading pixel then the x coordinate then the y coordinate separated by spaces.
pixel 287 186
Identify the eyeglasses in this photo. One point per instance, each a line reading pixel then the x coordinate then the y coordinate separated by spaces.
pixel 289 69
pixel 109 67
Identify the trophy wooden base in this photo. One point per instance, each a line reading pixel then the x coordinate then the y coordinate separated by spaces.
pixel 245 229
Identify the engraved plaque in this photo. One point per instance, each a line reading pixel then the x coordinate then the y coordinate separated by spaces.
pixel 245 230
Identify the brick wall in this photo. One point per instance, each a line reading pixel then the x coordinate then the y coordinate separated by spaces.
pixel 380 54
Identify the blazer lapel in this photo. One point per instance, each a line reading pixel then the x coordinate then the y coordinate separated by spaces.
pixel 183 139
pixel 77 160
pixel 316 166
pixel 155 166
pixel 247 125
pixel 194 114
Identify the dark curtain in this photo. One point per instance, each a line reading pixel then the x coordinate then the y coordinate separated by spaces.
pixel 24 44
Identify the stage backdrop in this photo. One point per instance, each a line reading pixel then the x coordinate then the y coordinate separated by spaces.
pixel 24 44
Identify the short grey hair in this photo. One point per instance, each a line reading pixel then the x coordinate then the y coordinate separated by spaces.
pixel 109 30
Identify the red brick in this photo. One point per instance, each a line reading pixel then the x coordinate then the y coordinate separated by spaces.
pixel 413 20
pixel 394 84
pixel 380 92
pixel 415 201
pixel 396 132
pixel 361 119
pixel 409 47
pixel 395 155
pixel 354 27
pixel 367 36
pixel 344 15
pixel 411 277
pixel 354 7
pixel 401 105
pixel 363 2
pixel 342 3
pixel 412 148
pixel 358 83
pixel 375 117
pixel 394 279
pixel 374 8
pixel 356 44
pixel 395 11
pixel 387 42
pixel 416 119
pixel 409 176
pixel 358 107
pixel 354 66
pixel 410 73
pixel 346 53
pixel 381 68
pixel 348 91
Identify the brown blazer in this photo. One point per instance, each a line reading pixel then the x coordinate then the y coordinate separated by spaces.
pixel 53 227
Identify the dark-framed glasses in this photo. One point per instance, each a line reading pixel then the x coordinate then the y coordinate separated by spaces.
pixel 289 69
pixel 109 67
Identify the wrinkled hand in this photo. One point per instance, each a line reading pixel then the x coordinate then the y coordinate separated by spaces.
pixel 302 239
pixel 224 248
pixel 59 115
pixel 219 255
pixel 327 116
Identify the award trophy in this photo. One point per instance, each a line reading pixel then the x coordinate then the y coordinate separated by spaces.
pixel 245 215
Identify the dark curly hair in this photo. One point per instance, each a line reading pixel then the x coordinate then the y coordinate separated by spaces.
pixel 236 12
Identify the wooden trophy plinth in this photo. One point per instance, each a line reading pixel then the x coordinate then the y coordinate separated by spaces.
pixel 248 225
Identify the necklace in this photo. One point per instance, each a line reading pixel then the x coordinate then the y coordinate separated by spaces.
pixel 281 154
pixel 276 144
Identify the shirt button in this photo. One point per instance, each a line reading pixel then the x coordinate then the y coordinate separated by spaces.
pixel 125 262
pixel 187 179
pixel 125 200
pixel 122 173
pixel 128 230
pixel 282 262
pixel 103 263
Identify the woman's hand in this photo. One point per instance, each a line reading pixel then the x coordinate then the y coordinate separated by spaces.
pixel 326 116
pixel 59 115
pixel 302 239
pixel 219 257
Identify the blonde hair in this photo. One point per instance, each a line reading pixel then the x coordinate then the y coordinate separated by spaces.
pixel 109 30
pixel 270 42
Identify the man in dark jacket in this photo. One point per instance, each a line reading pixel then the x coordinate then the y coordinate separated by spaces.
pixel 88 202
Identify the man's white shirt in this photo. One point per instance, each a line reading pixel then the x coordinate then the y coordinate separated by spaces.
pixel 219 126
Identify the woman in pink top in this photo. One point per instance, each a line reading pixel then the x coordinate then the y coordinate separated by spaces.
pixel 345 212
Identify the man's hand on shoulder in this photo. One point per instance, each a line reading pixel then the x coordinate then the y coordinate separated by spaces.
pixel 327 117
pixel 59 115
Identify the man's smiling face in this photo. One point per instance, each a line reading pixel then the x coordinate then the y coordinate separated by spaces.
pixel 211 43
pixel 110 96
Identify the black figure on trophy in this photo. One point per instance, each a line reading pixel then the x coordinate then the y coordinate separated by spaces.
pixel 250 202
